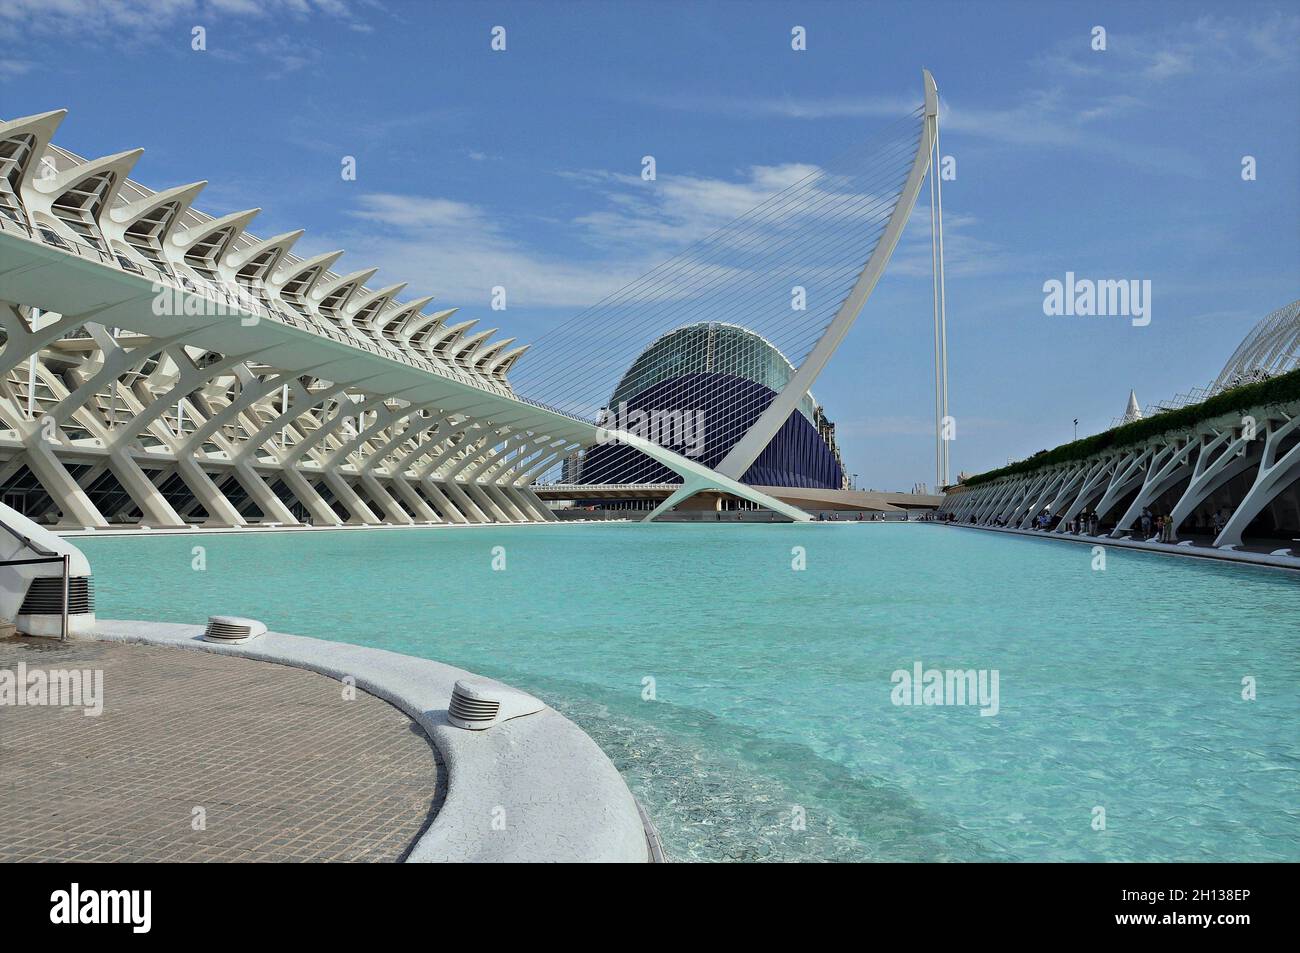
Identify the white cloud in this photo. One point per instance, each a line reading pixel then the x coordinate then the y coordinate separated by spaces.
pixel 459 251
pixel 790 107
pixel 676 210
pixel 965 255
pixel 1219 47
pixel 93 19
pixel 1086 88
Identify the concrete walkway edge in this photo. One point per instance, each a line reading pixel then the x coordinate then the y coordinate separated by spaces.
pixel 1266 560
pixel 535 788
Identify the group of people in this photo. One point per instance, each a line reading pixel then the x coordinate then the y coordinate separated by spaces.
pixel 938 517
pixel 1155 527
pixel 1087 523
pixel 1152 527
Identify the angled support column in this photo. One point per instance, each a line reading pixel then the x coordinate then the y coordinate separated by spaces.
pixel 1129 474
pixel 414 500
pixel 1094 483
pixel 1010 495
pixel 992 507
pixel 509 506
pixel 360 511
pixel 1050 483
pixel 321 512
pixel 77 510
pixel 385 499
pixel 158 513
pixel 467 507
pixel 221 512
pixel 1168 466
pixel 472 458
pixel 1066 491
pixel 443 502
pixel 1274 475
pixel 1023 496
pixel 529 498
pixel 486 504
pixel 263 495
pixel 361 514
pixel 22 343
pixel 1234 456
pixel 697 478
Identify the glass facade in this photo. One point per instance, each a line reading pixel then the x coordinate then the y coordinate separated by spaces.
pixel 710 348
pixel 722 377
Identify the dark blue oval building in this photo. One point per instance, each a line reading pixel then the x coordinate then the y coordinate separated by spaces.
pixel 707 383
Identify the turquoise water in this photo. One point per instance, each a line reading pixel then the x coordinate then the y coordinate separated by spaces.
pixel 1118 689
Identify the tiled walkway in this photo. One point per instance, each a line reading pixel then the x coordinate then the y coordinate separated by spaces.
pixel 200 757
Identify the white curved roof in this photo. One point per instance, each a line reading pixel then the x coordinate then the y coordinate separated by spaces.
pixel 83 199
pixel 1271 348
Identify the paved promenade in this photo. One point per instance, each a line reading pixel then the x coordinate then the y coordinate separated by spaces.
pixel 1270 554
pixel 268 762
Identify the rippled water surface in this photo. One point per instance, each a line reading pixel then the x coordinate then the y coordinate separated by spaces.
pixel 1119 689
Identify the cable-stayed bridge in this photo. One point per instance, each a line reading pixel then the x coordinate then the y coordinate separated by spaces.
pixel 164 368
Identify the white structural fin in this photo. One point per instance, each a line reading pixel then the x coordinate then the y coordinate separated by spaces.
pixel 22 143
pixel 746 450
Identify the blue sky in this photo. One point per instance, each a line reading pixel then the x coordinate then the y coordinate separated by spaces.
pixel 477 168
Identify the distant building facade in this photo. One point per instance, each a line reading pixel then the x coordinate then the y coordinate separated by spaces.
pixel 698 376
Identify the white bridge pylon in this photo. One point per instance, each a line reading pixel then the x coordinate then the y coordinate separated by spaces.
pixel 727 474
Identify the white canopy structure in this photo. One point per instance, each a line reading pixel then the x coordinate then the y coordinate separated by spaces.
pixel 1271 348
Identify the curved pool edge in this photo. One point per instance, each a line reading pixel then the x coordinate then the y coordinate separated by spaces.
pixel 531 789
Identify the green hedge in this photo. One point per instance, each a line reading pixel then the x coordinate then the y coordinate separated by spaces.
pixel 1276 390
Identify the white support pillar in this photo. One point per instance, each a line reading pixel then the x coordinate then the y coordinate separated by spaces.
pixel 1234 456
pixel 1094 483
pixel 78 512
pixel 1168 466
pixel 221 512
pixel 1050 483
pixel 486 504
pixel 1069 484
pixel 262 494
pixel 1129 473
pixel 414 500
pixel 361 514
pixel 462 502
pixel 1274 475
pixel 531 499
pixel 443 502
pixel 392 509
pixel 506 504
pixel 157 512
pixel 322 513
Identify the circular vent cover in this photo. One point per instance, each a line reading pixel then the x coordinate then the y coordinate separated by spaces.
pixel 232 629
